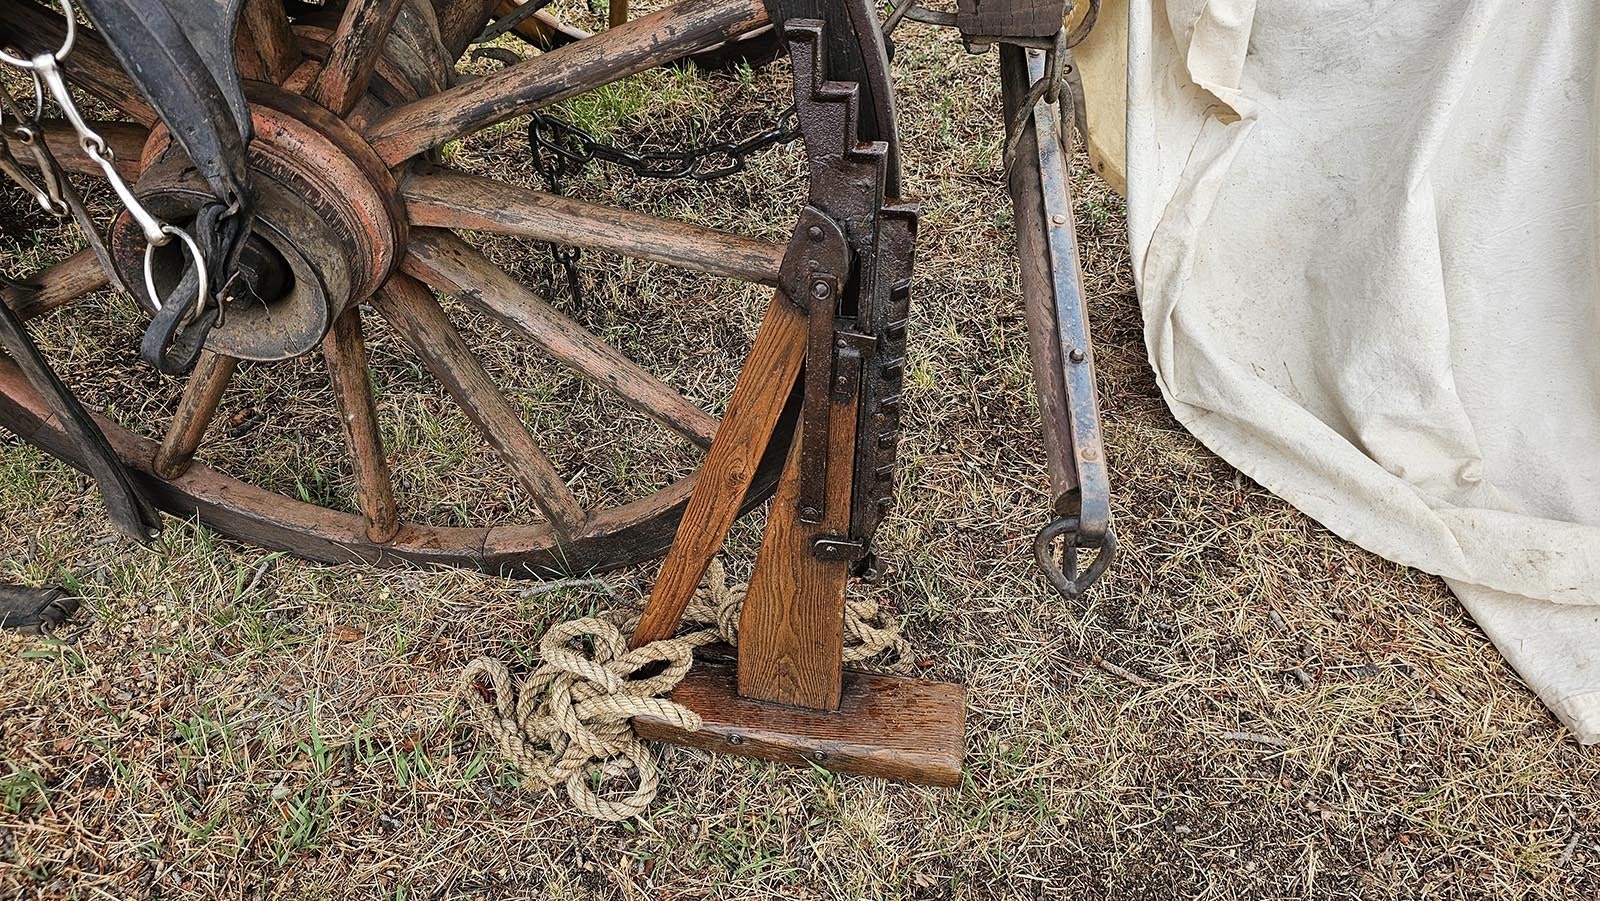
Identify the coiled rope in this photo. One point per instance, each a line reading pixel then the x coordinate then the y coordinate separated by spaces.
pixel 569 721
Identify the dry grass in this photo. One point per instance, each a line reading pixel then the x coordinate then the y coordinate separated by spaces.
pixel 1247 707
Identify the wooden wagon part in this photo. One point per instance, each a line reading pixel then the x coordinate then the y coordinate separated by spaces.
pixel 355 216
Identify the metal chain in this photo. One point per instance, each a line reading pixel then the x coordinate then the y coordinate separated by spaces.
pixel 705 162
pixel 53 196
pixel 561 149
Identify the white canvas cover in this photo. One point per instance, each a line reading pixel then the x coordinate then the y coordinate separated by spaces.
pixel 1365 238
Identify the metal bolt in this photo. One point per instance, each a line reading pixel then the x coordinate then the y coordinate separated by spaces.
pixel 820 290
pixel 842 343
pixel 810 513
pixel 1088 453
pixel 736 739
pixel 1059 219
pixel 1077 355
pixel 819 756
pixel 814 233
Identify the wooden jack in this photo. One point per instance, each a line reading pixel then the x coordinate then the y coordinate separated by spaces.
pixel 788 698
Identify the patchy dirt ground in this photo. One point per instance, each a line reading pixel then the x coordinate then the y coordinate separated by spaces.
pixel 1246 707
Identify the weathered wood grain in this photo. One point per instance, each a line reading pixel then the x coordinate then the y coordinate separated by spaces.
pixel 611 55
pixel 886 726
pixel 126 140
pixel 449 265
pixel 791 631
pixel 91 65
pixel 267 48
pixel 408 306
pixel 56 286
pixel 345 350
pixel 202 394
pixel 356 46
pixel 445 199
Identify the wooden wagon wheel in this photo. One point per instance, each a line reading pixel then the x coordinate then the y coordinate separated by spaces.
pixel 346 114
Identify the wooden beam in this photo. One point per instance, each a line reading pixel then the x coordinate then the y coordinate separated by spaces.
pixel 758 399
pixel 886 726
pixel 646 42
pixel 346 352
pixel 267 44
pixel 791 631
pixel 449 265
pixel 459 22
pixel 56 286
pixel 446 199
pixel 357 43
pixel 196 408
pixel 408 306
pixel 126 140
pixel 91 65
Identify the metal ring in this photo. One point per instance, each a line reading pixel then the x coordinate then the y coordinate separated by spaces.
pixel 149 266
pixel 1063 574
pixel 66 43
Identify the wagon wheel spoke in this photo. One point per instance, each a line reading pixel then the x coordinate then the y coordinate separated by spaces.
pixel 460 21
pixel 269 51
pixel 91 65
pixel 126 140
pixel 56 286
pixel 353 57
pixel 346 352
pixel 609 56
pixel 449 265
pixel 419 319
pixel 380 66
pixel 445 199
pixel 196 408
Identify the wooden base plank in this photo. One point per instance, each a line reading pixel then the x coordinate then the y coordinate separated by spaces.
pixel 889 727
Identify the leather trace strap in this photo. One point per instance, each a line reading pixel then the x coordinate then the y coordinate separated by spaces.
pixel 35 610
pixel 180 55
pixel 177 333
pixel 130 511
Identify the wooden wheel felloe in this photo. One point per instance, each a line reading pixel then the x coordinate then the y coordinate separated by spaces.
pixel 347 110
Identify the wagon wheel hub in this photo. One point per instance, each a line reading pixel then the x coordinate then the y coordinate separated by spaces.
pixel 328 230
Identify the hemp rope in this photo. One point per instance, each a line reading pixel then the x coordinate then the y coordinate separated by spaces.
pixel 570 719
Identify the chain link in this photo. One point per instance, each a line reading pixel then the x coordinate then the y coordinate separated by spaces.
pixel 561 149
pixel 705 162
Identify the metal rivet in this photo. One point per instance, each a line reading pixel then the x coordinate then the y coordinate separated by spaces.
pixel 1059 219
pixel 809 513
pixel 1077 355
pixel 818 756
pixel 736 739
pixel 842 343
pixel 814 233
pixel 1088 453
pixel 820 290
